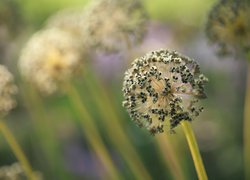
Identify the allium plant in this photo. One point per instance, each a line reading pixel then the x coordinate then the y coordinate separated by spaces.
pixel 50 57
pixel 7 102
pixel 162 90
pixel 112 25
pixel 228 26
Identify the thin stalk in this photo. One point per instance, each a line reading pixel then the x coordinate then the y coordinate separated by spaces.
pixel 193 146
pixel 246 126
pixel 113 126
pixel 170 156
pixel 44 131
pixel 17 150
pixel 91 132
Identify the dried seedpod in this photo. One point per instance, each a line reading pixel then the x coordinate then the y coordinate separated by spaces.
pixel 50 57
pixel 228 26
pixel 111 25
pixel 163 88
pixel 7 90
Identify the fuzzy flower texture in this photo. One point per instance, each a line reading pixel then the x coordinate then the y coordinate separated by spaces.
pixel 228 25
pixel 50 57
pixel 7 90
pixel 112 25
pixel 163 88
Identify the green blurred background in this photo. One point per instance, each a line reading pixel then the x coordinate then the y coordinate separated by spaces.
pixel 177 25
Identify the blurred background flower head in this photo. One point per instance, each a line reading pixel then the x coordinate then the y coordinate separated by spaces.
pixel 228 26
pixel 7 90
pixel 50 56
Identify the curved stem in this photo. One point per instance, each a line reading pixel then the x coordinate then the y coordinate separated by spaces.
pixel 17 150
pixel 112 124
pixel 246 126
pixel 91 132
pixel 193 146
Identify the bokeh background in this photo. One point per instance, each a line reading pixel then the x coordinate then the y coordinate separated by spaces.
pixel 177 25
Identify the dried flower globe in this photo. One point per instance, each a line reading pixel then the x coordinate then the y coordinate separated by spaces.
pixel 7 90
pixel 163 88
pixel 15 172
pixel 70 20
pixel 50 57
pixel 228 25
pixel 111 25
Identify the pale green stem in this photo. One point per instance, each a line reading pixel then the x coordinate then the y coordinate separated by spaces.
pixel 113 126
pixel 193 146
pixel 170 156
pixel 43 126
pixel 246 126
pixel 91 132
pixel 17 150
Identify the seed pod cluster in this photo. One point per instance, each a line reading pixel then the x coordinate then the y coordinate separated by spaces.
pixel 163 88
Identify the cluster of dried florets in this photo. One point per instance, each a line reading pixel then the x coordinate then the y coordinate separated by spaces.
pixel 7 90
pixel 15 172
pixel 70 20
pixel 229 26
pixel 114 24
pixel 163 88
pixel 50 56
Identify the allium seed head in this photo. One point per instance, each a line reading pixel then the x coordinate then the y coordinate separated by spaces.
pixel 70 20
pixel 228 25
pixel 113 24
pixel 162 89
pixel 7 90
pixel 50 56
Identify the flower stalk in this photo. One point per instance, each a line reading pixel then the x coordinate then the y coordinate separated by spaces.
pixel 90 131
pixel 199 166
pixel 17 150
pixel 246 126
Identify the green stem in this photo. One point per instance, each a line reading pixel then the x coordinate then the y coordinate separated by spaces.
pixel 193 146
pixel 170 156
pixel 112 124
pixel 17 150
pixel 246 126
pixel 49 147
pixel 91 132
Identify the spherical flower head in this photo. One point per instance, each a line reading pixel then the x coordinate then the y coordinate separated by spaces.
pixel 112 25
pixel 163 88
pixel 7 90
pixel 228 25
pixel 50 57
pixel 70 20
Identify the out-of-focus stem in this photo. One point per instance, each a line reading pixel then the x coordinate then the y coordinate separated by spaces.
pixel 113 126
pixel 17 150
pixel 91 132
pixel 170 156
pixel 246 126
pixel 193 146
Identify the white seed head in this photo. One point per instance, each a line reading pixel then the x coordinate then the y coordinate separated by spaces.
pixel 111 25
pixel 163 88
pixel 15 172
pixel 50 56
pixel 7 90
pixel 70 20
pixel 228 26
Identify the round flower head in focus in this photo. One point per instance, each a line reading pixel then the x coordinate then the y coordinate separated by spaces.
pixel 50 56
pixel 112 25
pixel 7 90
pixel 163 88
pixel 228 25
